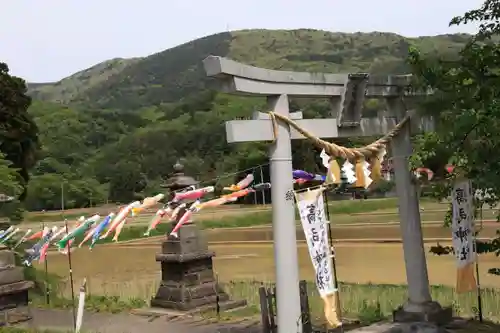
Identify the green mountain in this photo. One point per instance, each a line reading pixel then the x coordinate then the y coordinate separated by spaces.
pixel 113 131
pixel 172 74
pixel 68 89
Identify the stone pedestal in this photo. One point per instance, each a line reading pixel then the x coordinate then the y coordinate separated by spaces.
pixel 188 281
pixel 417 327
pixel 429 312
pixel 14 306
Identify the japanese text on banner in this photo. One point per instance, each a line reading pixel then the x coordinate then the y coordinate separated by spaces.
pixel 313 218
pixel 463 223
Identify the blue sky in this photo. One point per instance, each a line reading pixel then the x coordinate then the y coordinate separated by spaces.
pixel 47 40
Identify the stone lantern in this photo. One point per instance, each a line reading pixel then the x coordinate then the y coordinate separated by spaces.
pixel 187 277
pixel 178 181
pixel 14 301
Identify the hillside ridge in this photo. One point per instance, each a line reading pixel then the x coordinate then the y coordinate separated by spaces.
pixel 65 90
pixel 118 127
pixel 172 74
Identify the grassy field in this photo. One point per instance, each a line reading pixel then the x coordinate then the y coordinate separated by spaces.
pixel 384 226
pixel 131 276
pixel 344 207
pixel 126 276
pixel 367 298
pixel 365 302
pixel 229 216
pixel 110 266
pixel 22 330
pixel 376 211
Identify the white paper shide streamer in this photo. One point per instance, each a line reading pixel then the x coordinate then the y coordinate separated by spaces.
pixel 463 235
pixel 81 306
pixel 313 218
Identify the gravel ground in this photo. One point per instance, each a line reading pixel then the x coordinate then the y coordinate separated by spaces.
pixel 129 323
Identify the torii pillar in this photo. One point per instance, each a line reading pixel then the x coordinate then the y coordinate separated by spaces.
pixel 347 92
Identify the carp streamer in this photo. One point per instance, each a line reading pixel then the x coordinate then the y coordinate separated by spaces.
pixel 180 210
pixel 94 228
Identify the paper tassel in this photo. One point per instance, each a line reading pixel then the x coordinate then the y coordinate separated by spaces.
pixel 466 280
pixel 360 175
pixel 325 158
pixel 366 173
pixel 376 165
pixel 376 169
pixel 333 174
pixel 348 171
pixel 333 169
pixel 332 309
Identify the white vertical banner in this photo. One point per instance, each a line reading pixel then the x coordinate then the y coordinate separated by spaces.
pixel 312 215
pixel 463 234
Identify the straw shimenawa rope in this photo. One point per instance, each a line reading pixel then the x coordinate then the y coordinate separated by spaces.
pixel 366 152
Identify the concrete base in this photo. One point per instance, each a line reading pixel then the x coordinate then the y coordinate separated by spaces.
pixel 430 312
pixel 416 327
pixel 225 306
pixel 206 304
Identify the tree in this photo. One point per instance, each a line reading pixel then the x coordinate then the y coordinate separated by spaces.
pixel 10 187
pixel 18 131
pixel 45 192
pixel 127 183
pixel 123 153
pixel 466 103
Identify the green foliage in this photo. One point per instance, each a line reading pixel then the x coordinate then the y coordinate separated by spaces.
pixel 466 104
pixel 28 330
pixel 9 178
pixel 383 187
pixel 163 77
pixel 10 186
pixel 52 285
pixel 374 302
pixel 18 132
pixel 370 312
pixel 71 137
pixel 128 122
pixel 69 88
pixel 46 192
pixel 93 303
pixel 322 51
pixel 177 73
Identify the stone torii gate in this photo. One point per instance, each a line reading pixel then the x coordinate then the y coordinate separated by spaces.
pixel 346 92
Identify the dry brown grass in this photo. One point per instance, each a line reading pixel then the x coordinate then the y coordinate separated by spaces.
pixel 387 211
pixel 105 209
pixel 375 273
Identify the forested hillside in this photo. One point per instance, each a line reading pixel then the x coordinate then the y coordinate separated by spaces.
pixel 113 131
pixel 170 75
pixel 68 89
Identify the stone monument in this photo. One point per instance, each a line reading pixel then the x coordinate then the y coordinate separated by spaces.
pixel 187 277
pixel 14 289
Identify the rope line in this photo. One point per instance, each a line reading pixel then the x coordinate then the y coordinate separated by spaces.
pixel 226 175
pixel 334 150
